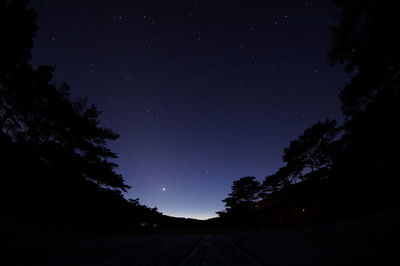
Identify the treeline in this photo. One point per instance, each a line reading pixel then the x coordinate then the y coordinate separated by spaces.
pixel 55 163
pixel 355 165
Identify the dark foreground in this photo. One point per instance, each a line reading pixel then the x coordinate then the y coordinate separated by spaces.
pixel 372 240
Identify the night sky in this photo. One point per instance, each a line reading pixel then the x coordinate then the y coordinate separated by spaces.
pixel 201 92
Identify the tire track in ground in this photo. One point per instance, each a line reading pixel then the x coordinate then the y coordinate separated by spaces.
pixel 218 250
pixel 248 252
pixel 157 253
pixel 192 250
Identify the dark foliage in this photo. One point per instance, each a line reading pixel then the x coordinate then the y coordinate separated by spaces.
pixel 54 155
pixel 309 160
pixel 356 171
pixel 310 157
pixel 242 198
pixel 366 42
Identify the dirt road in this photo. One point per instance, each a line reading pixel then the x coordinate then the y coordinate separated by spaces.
pixel 372 240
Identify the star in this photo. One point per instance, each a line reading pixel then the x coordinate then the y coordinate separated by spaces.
pixel 184 92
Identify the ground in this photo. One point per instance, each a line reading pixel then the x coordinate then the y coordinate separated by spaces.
pixel 370 240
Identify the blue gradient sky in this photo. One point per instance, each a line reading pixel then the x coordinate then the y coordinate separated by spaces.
pixel 201 92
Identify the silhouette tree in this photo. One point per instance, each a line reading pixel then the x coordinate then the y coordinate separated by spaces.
pixel 310 156
pixel 362 164
pixel 54 151
pixel 366 42
pixel 18 27
pixel 312 151
pixel 275 182
pixel 243 196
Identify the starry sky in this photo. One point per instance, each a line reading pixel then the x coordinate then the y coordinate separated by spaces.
pixel 201 92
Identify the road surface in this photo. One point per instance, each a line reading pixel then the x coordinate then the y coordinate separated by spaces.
pixel 372 240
